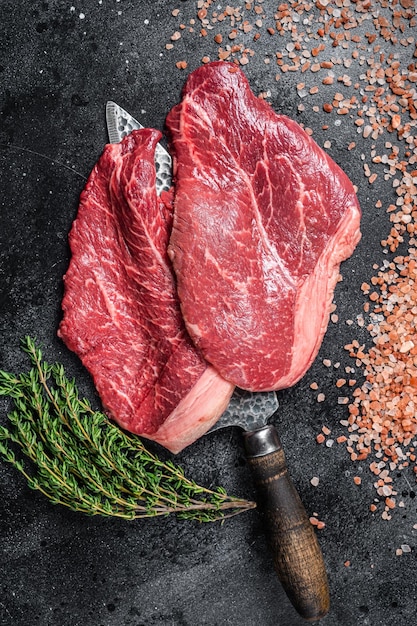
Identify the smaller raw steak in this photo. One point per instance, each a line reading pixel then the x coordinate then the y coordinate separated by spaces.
pixel 262 220
pixel 121 310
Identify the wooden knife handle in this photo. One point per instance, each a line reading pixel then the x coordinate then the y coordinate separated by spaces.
pixel 297 556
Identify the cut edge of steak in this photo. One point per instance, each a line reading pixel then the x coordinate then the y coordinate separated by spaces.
pixel 121 313
pixel 317 294
pixel 264 216
pixel 197 412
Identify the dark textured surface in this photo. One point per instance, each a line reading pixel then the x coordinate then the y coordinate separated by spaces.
pixel 62 568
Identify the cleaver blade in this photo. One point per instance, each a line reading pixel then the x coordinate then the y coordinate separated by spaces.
pixel 119 124
pixel 248 410
pixel 297 557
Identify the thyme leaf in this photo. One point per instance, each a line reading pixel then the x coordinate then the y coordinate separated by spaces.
pixel 79 459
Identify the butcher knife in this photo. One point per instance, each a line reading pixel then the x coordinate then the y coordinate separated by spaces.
pixel 297 557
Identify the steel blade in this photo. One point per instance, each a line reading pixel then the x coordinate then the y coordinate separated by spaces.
pixel 248 410
pixel 119 124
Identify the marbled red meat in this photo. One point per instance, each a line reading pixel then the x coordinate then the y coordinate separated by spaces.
pixel 121 310
pixel 262 220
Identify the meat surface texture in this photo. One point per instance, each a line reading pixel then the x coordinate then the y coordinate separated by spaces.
pixel 262 220
pixel 121 310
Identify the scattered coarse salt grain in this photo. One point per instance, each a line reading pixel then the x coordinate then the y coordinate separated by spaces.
pixel 406 346
pixel 404 549
pixel 315 481
pixel 384 407
pixel 342 400
pixel 316 522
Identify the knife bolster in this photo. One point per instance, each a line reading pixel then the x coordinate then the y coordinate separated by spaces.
pixel 261 441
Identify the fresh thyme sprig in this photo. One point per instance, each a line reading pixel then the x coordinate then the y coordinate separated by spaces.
pixel 83 461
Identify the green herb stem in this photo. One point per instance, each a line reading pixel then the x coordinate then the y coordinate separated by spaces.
pixel 81 460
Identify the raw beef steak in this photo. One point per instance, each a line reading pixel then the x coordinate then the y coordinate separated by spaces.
pixel 262 220
pixel 121 311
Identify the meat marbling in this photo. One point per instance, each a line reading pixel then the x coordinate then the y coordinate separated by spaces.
pixel 121 310
pixel 262 220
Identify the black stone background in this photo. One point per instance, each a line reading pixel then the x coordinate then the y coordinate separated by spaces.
pixel 65 569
